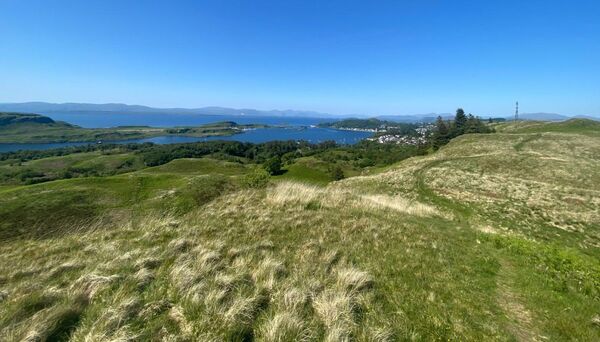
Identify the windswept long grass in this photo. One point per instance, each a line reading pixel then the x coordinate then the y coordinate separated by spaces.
pixel 332 197
pixel 493 237
pixel 107 285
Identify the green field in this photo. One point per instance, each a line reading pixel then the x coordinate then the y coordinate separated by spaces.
pixel 72 165
pixel 492 237
pixel 192 166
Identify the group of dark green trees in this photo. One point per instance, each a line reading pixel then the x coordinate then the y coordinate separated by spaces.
pixel 462 124
pixel 273 166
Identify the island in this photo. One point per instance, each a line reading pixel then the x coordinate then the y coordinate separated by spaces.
pixel 35 128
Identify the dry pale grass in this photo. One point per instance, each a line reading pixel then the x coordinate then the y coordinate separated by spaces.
pixel 337 197
pixel 108 286
pixel 176 315
pixel 531 203
pixel 112 325
pixel 284 326
pixel 335 308
pixel 88 285
pixel 399 204
pixel 294 299
pixel 268 272
pixel 524 183
pixel 353 280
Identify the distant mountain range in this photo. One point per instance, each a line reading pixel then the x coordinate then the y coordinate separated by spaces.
pixel 542 116
pixel 552 117
pixel 48 108
pixel 430 117
pixel 44 107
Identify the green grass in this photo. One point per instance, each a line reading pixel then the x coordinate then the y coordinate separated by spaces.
pixel 72 165
pixel 306 169
pixel 52 208
pixel 316 171
pixel 191 166
pixel 7 187
pixel 56 207
pixel 110 162
pixel 493 237
pixel 572 126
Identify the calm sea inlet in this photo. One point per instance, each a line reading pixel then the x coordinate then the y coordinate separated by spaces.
pixel 296 128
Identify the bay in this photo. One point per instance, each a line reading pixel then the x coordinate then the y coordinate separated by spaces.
pixel 260 135
pixel 96 119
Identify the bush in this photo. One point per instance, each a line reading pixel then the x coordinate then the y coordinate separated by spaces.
pixel 273 166
pixel 257 179
pixel 337 173
pixel 366 163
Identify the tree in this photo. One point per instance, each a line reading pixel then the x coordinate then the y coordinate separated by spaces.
pixel 337 173
pixel 472 125
pixel 460 121
pixel 475 125
pixel 441 133
pixel 490 120
pixel 273 165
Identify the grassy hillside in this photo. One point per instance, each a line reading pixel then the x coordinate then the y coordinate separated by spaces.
pixel 315 170
pixel 95 163
pixel 33 128
pixel 13 119
pixel 574 126
pixel 493 237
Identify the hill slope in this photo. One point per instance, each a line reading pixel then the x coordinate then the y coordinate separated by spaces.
pixel 34 128
pixel 574 126
pixel 494 237
pixel 9 119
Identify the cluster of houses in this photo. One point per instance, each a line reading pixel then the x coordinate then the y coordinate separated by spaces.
pixel 421 137
pixel 373 130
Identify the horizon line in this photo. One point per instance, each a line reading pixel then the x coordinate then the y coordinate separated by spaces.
pixel 306 111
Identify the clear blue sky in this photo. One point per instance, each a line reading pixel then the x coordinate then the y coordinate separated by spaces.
pixel 372 57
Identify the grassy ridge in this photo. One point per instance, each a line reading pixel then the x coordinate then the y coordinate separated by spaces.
pixel 54 207
pixel 73 165
pixel 573 126
pixel 493 237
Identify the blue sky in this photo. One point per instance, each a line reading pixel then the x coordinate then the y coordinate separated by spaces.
pixel 341 57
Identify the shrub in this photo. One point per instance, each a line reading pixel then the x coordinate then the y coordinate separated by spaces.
pixel 337 173
pixel 257 179
pixel 273 165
